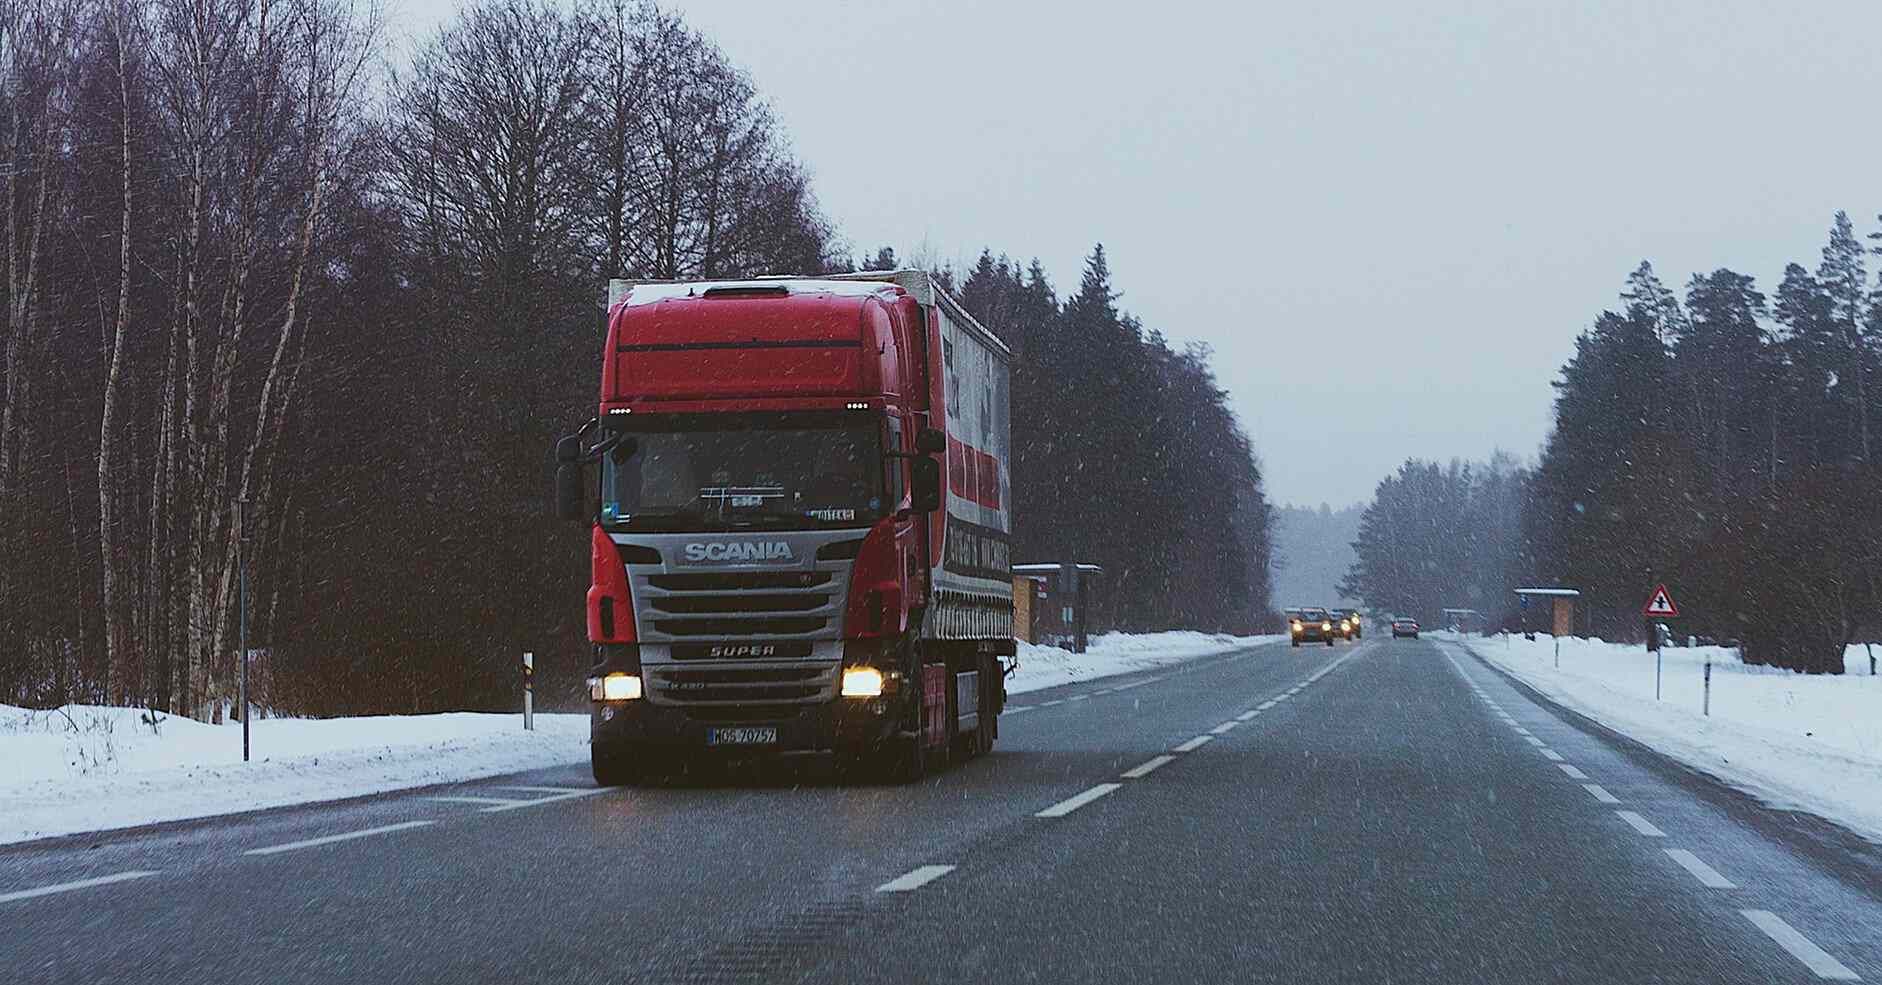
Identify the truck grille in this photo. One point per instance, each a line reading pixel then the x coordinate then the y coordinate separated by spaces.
pixel 768 684
pixel 737 606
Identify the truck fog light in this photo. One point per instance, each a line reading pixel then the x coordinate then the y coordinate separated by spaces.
pixel 862 682
pixel 616 687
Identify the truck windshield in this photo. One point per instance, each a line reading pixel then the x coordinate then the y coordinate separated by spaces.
pixel 733 471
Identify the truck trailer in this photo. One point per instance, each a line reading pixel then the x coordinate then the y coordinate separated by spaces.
pixel 800 542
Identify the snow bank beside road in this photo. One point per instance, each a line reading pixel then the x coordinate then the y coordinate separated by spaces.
pixel 1042 667
pixel 86 768
pixel 1796 741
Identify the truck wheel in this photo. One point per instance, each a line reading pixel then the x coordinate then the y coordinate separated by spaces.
pixel 616 764
pixel 902 760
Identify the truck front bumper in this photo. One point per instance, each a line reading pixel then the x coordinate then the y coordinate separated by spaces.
pixel 844 725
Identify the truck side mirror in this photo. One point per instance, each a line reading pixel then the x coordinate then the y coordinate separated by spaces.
pixel 568 449
pixel 569 497
pixel 931 441
pixel 925 488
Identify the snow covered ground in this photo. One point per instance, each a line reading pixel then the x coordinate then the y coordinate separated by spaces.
pixel 87 768
pixel 84 768
pixel 1118 653
pixel 1796 741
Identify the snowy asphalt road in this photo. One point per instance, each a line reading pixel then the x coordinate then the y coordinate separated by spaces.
pixel 1386 811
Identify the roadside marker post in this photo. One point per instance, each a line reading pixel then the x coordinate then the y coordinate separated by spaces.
pixel 529 691
pixel 1708 698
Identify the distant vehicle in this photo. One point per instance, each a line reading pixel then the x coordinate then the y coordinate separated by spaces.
pixel 1346 623
pixel 1312 624
pixel 1402 628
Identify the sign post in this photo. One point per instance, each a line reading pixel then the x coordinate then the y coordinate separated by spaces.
pixel 1659 606
pixel 529 691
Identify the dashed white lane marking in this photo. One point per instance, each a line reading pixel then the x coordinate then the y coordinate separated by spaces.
pixel 1574 772
pixel 911 881
pixel 1600 793
pixel 1054 701
pixel 1225 728
pixel 1281 697
pixel 1073 803
pixel 1194 744
pixel 347 836
pixel 1550 754
pixel 1707 875
pixel 1015 709
pixel 1641 824
pixel 1800 947
pixel 1532 740
pixel 1265 705
pixel 1145 769
pixel 1522 731
pixel 1246 715
pixel 66 887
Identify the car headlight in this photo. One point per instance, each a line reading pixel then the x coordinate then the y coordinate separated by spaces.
pixel 1297 625
pixel 1326 627
pixel 862 682
pixel 615 687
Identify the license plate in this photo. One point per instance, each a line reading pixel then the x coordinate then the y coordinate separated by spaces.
pixel 747 735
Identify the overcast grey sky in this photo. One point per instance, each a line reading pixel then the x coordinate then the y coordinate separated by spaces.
pixel 1390 218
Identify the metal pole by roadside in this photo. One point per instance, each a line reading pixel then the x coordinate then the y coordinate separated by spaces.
pixel 1708 699
pixel 529 691
pixel 241 605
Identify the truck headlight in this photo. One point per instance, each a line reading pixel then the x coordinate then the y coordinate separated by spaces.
pixel 862 682
pixel 615 687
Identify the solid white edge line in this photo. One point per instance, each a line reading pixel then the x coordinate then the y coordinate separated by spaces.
pixel 1048 704
pixel 1641 824
pixel 1225 728
pixel 1015 709
pixel 1550 754
pixel 1799 946
pixel 544 800
pixel 1079 697
pixel 66 887
pixel 914 879
pixel 1194 744
pixel 1148 767
pixel 1600 793
pixel 498 801
pixel 1073 803
pixel 347 836
pixel 1574 772
pixel 1708 876
pixel 1246 715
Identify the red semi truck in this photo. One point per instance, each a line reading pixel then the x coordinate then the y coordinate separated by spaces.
pixel 801 539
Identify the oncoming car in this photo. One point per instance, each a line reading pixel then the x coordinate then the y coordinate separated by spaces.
pixel 1404 628
pixel 1312 625
pixel 1346 623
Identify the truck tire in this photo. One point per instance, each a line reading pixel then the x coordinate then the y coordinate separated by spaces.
pixel 616 764
pixel 902 760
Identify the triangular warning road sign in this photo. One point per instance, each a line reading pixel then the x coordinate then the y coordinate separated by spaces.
pixel 1661 604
